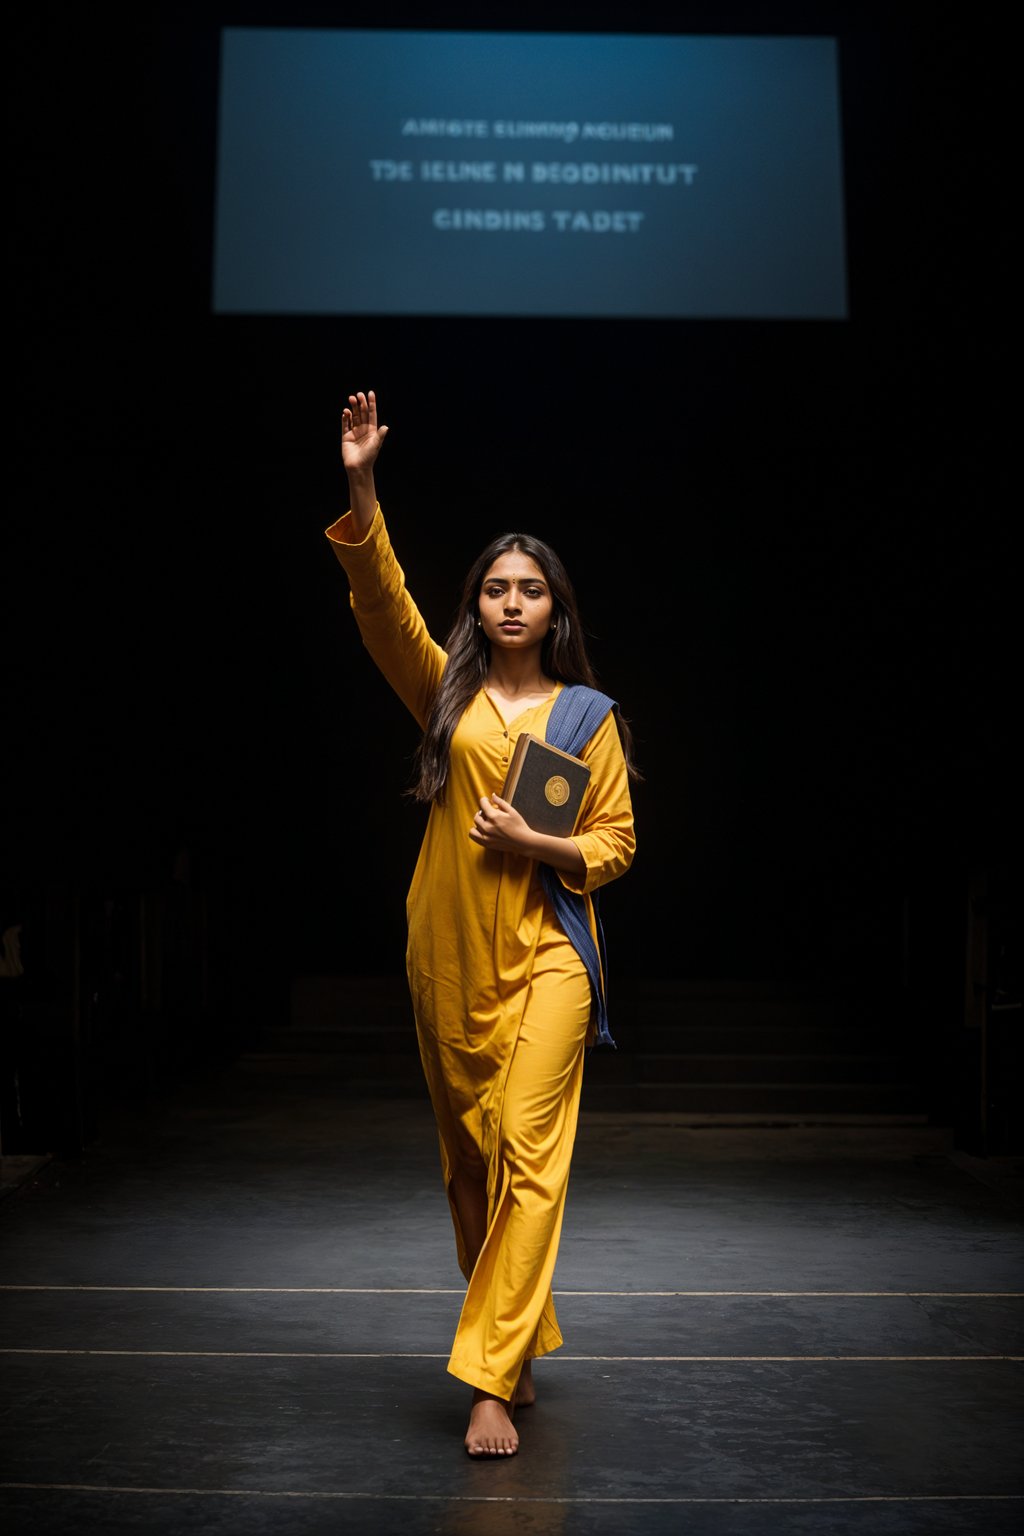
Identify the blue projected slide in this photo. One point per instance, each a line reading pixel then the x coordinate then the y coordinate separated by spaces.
pixel 533 174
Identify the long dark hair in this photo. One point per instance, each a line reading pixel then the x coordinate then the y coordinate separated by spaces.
pixel 563 657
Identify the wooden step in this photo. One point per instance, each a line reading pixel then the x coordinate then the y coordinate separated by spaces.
pixel 744 1067
pixel 702 1048
pixel 780 1098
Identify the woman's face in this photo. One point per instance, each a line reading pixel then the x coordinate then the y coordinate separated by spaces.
pixel 515 603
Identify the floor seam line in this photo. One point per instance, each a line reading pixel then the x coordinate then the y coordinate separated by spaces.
pixel 446 1498
pixel 304 1354
pixel 336 1290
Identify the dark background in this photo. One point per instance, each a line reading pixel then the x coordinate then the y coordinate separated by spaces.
pixel 793 544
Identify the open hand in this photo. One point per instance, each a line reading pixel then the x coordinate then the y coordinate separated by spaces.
pixel 361 438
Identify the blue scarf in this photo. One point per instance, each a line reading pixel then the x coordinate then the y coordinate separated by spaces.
pixel 575 716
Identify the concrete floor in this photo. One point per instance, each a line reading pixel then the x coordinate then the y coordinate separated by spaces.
pixel 231 1316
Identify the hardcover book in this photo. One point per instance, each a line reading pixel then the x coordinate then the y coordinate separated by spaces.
pixel 545 785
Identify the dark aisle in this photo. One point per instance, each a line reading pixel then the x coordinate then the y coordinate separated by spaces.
pixel 232 1315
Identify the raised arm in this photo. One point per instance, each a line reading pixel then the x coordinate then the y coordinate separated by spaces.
pixel 361 440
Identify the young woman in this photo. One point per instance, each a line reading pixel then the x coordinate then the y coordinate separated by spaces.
pixel 504 943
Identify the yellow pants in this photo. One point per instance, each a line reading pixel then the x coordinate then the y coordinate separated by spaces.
pixel 508 1315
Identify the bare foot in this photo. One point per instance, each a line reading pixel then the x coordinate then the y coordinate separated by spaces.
pixel 490 1431
pixel 525 1393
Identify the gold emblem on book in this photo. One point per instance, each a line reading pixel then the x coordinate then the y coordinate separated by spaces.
pixel 556 790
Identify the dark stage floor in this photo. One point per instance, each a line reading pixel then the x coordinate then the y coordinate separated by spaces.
pixel 232 1315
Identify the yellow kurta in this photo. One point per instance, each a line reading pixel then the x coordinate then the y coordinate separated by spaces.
pixel 484 948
